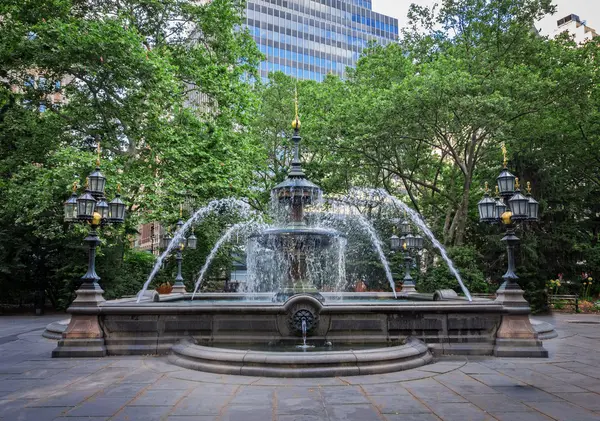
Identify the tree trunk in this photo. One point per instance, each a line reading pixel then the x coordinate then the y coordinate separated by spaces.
pixel 464 212
pixel 447 225
pixel 456 233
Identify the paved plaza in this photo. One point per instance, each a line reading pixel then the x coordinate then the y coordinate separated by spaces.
pixel 34 387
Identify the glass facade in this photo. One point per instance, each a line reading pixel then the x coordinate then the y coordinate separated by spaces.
pixel 308 39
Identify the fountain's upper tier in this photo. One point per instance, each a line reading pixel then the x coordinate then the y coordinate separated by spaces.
pixel 296 188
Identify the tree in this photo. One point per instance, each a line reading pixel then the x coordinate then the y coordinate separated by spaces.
pixel 126 72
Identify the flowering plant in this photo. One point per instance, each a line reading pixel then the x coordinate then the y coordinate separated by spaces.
pixel 553 285
pixel 587 281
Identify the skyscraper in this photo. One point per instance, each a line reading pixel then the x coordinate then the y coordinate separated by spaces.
pixel 309 39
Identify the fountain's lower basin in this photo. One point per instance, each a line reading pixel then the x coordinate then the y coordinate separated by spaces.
pixel 369 360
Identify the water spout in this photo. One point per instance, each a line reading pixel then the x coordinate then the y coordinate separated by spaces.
pixel 304 333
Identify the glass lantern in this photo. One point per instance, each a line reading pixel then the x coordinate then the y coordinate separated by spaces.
pixel 506 183
pixel 192 241
pixel 166 240
pixel 116 210
pixel 97 182
pixel 487 209
pixel 410 241
pixel 403 244
pixel 500 207
pixel 418 242
pixel 102 208
pixel 533 209
pixel 519 206
pixel 404 227
pixel 70 208
pixel 86 205
pixel 394 242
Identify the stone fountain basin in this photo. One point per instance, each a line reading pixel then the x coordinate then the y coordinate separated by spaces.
pixel 413 353
pixel 448 327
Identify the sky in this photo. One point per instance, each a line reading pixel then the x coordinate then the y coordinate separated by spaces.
pixel 588 10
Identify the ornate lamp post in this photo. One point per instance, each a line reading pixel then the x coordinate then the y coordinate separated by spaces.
pixel 509 208
pixel 91 208
pixel 409 244
pixel 191 241
pixel 84 336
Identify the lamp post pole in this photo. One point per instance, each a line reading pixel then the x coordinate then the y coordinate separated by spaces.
pixel 90 279
pixel 408 285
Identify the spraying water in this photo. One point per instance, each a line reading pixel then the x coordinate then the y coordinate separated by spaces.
pixel 367 228
pixel 224 238
pixel 180 234
pixel 377 244
pixel 416 218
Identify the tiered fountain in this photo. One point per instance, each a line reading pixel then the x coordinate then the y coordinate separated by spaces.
pixel 294 243
pixel 286 324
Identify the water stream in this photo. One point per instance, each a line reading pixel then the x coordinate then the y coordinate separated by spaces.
pixel 370 231
pixel 416 218
pixel 224 238
pixel 178 236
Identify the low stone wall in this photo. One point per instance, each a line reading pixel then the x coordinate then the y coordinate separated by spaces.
pixel 448 327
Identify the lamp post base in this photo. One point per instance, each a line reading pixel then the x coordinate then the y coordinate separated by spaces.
pixel 515 336
pixel 178 288
pixel 409 288
pixel 84 336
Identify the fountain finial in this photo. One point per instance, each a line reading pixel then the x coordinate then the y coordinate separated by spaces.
pixel 296 122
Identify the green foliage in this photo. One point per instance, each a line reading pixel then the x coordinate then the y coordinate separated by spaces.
pixel 124 71
pixel 425 119
pixel 467 260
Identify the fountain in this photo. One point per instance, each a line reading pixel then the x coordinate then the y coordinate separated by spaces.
pixel 294 317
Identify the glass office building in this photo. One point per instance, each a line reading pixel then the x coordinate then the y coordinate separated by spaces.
pixel 309 39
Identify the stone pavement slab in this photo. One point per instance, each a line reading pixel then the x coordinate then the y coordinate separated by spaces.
pixel 564 387
pixel 358 412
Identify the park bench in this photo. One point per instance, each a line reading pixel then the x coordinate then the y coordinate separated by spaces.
pixel 569 299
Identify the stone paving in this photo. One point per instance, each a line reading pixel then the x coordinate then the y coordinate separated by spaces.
pixel 34 387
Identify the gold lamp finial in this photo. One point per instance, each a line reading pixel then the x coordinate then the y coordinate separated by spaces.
pixel 180 210
pixel 529 187
pixel 119 188
pixel 497 191
pixel 487 188
pixel 87 182
pixel 404 245
pixel 74 186
pixel 296 122
pixel 98 155
pixel 517 184
pixel 505 154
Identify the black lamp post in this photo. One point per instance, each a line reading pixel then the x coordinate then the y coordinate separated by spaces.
pixel 91 208
pixel 515 336
pixel 509 208
pixel 191 242
pixel 409 244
